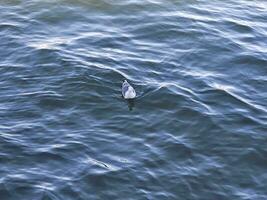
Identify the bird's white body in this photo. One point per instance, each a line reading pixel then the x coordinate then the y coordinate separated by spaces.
pixel 128 91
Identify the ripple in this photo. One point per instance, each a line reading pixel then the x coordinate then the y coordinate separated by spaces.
pixel 196 130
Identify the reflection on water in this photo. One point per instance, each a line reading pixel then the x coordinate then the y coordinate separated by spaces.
pixel 130 103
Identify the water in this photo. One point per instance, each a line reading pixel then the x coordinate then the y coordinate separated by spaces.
pixel 196 131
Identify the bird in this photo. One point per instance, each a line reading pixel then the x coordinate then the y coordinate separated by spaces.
pixel 127 90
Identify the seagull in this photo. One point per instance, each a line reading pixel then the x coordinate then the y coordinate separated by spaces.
pixel 127 90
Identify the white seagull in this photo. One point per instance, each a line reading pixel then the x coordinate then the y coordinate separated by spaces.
pixel 127 90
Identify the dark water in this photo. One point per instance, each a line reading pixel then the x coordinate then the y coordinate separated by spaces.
pixel 198 129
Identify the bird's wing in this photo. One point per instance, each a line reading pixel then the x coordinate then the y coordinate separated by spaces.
pixel 124 89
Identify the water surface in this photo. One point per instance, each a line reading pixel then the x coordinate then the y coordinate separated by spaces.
pixel 196 131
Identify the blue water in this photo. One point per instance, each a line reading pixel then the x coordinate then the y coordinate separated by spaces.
pixel 197 130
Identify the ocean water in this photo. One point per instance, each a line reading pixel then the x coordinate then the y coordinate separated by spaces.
pixel 196 131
